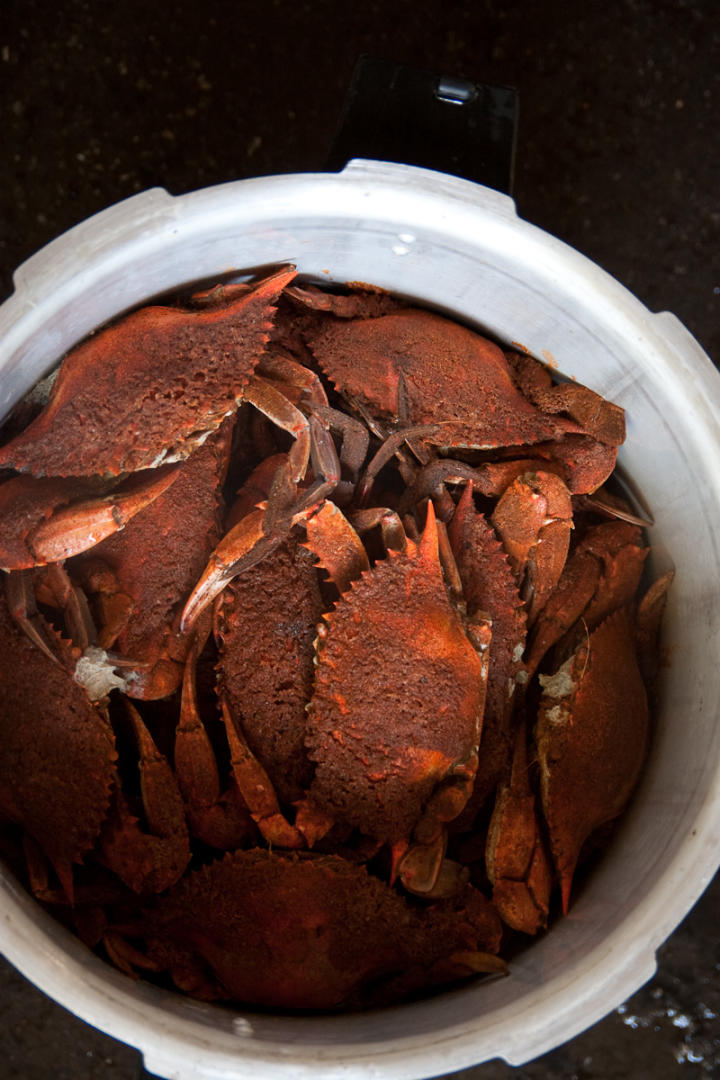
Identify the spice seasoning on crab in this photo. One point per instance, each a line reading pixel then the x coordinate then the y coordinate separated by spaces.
pixel 591 735
pixel 265 623
pixel 149 388
pixel 391 719
pixel 420 368
pixel 140 577
pixel 58 750
pixel 398 699
pixel 311 933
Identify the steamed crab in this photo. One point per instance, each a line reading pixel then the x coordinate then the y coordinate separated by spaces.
pixel 393 663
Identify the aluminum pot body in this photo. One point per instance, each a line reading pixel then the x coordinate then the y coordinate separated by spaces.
pixel 462 249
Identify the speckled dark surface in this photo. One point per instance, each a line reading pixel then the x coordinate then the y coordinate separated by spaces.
pixel 618 155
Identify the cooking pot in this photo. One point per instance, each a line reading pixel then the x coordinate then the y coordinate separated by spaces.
pixel 460 248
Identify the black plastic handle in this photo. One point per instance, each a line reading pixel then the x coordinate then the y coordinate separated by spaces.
pixel 397 113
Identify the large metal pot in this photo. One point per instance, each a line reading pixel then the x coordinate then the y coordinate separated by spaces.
pixel 462 249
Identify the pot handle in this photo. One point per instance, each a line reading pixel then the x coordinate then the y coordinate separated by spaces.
pixel 397 113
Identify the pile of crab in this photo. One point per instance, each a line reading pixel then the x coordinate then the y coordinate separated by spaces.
pixel 324 654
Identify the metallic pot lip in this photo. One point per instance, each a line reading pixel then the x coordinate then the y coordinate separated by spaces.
pixel 406 1040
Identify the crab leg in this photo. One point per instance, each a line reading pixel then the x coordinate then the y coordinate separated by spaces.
pixel 257 789
pixel 152 860
pixel 391 527
pixel 339 549
pixel 278 367
pixel 355 436
pixel 517 864
pixel 46 520
pixel 52 586
pixel 260 532
pixel 218 819
pixel 23 608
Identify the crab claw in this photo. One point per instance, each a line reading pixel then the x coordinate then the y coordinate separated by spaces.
pixel 533 519
pixel 147 859
pixel 517 864
pixel 245 545
pixel 218 818
pixel 47 520
pixel 260 532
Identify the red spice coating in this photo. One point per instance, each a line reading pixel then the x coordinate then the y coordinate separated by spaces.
pixel 147 386
pixel 267 624
pixel 397 696
pixel 58 751
pixel 305 933
pixel 447 372
pixel 592 741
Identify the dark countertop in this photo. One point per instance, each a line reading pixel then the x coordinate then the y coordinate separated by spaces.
pixel 617 155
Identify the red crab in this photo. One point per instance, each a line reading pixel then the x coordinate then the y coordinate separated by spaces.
pixel 148 388
pixel 311 933
pixel 140 578
pixel 57 765
pixel 591 735
pixel 265 674
pixel 395 718
pixel 420 368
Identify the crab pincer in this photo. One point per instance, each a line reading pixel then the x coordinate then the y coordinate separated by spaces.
pixel 149 855
pixel 602 574
pixel 262 530
pixel 517 863
pixel 148 388
pixel 534 518
pixel 489 586
pixel 45 520
pixel 218 816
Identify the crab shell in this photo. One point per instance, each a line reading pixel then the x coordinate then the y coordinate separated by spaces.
pixel 591 734
pixel 58 756
pixel 398 698
pixel 308 932
pixel 421 368
pixel 265 624
pixel 149 388
pixel 146 571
